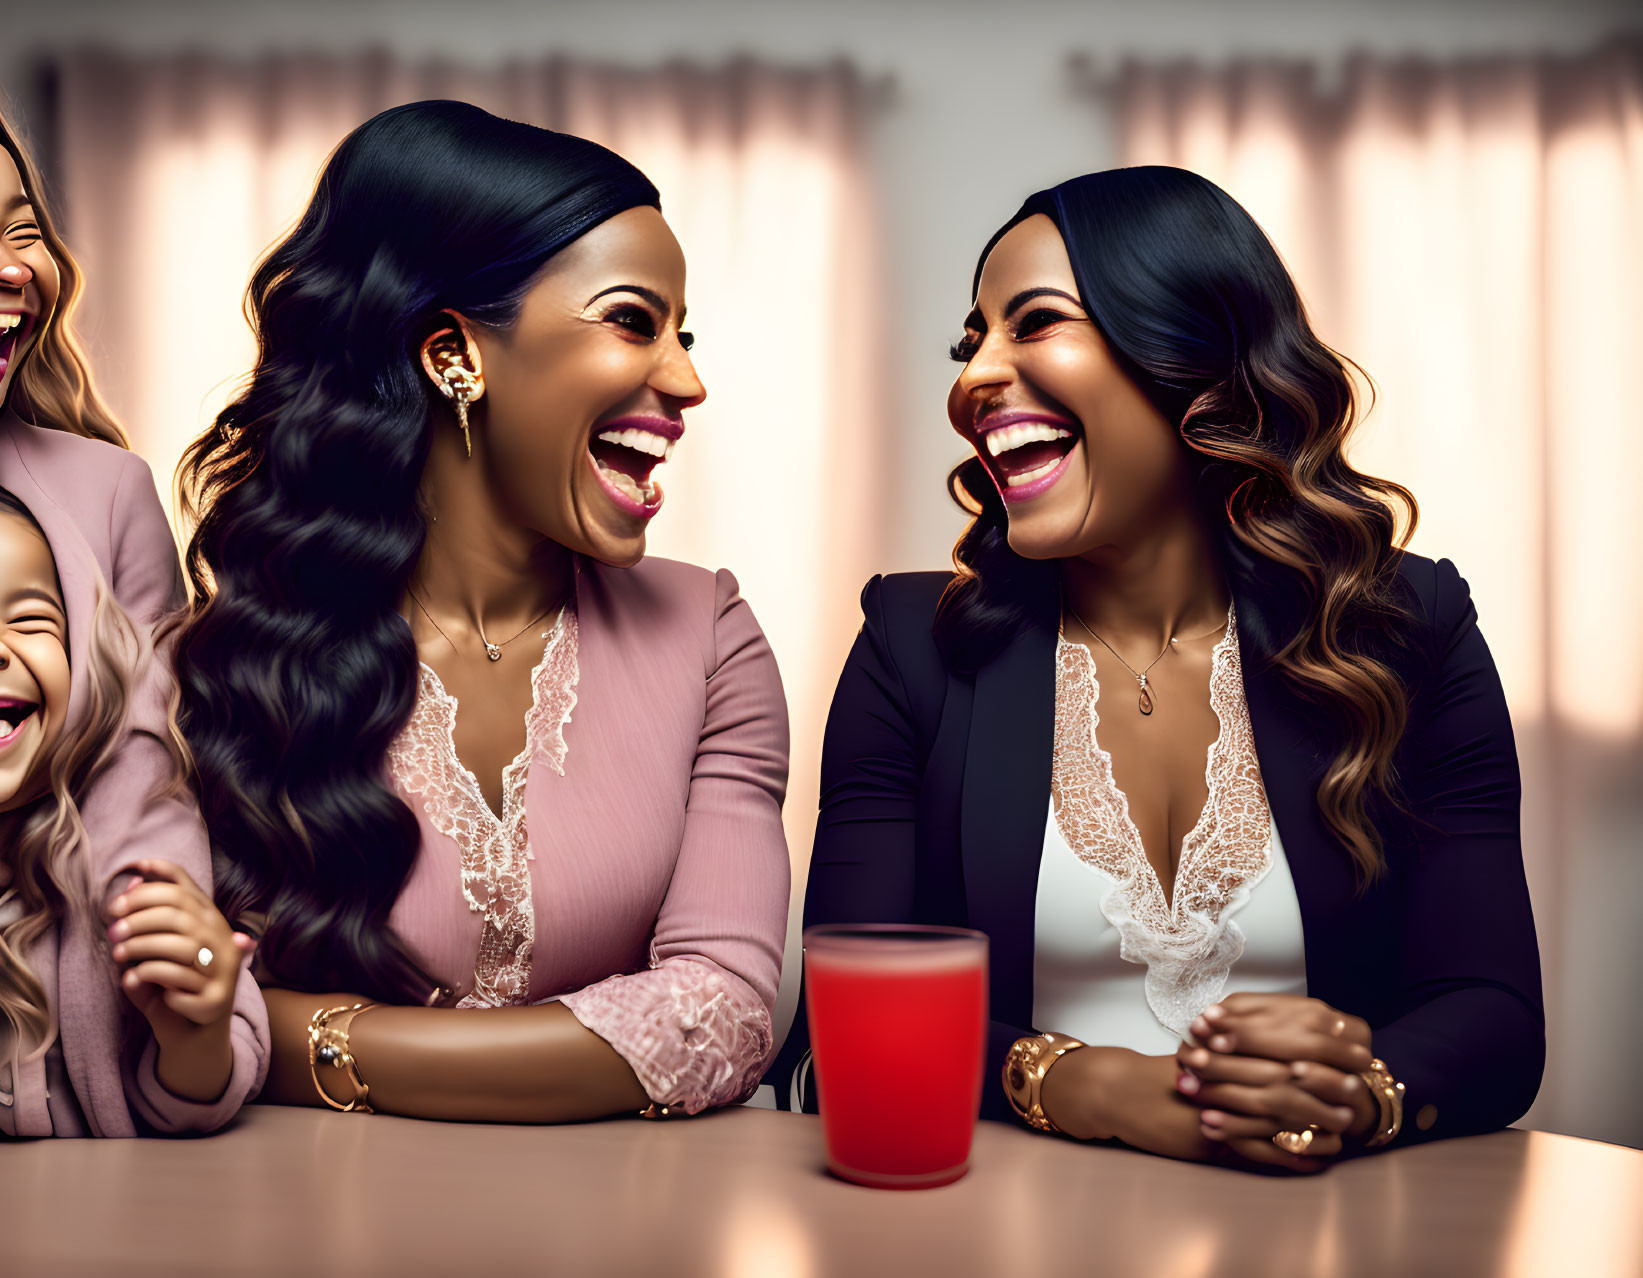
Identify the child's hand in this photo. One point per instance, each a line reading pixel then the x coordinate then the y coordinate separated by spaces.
pixel 180 960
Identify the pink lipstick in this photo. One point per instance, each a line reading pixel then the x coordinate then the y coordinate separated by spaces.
pixel 1026 453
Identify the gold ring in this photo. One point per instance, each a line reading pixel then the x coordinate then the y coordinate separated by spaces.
pixel 1294 1142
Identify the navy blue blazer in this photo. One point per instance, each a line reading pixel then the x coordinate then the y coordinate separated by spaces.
pixel 935 784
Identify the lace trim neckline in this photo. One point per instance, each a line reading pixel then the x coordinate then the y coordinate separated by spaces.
pixel 1226 650
pixel 495 848
pixel 1188 941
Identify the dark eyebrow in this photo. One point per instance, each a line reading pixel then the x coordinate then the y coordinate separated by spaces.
pixel 649 294
pixel 1027 294
pixel 975 321
pixel 34 592
pixel 16 202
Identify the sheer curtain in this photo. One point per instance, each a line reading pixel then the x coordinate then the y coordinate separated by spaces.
pixel 1470 234
pixel 178 173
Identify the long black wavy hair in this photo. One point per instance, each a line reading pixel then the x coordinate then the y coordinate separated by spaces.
pixel 1198 309
pixel 296 669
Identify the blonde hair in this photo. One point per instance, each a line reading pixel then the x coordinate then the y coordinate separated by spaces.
pixel 50 874
pixel 53 387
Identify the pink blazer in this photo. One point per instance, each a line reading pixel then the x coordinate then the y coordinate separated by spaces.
pixel 657 868
pixel 100 512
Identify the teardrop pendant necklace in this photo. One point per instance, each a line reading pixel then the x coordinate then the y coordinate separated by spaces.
pixel 1144 702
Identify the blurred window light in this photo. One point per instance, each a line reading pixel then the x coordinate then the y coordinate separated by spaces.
pixel 179 174
pixel 1469 235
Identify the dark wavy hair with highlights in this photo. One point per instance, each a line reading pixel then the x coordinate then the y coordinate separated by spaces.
pixel 296 669
pixel 1198 309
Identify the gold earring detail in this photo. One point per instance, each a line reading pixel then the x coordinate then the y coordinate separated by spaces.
pixel 458 385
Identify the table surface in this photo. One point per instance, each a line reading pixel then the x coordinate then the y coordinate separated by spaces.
pixel 742 1194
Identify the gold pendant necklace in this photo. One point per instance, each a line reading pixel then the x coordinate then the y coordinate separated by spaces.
pixel 1144 701
pixel 493 651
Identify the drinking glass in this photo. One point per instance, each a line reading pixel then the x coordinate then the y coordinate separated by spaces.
pixel 898 1032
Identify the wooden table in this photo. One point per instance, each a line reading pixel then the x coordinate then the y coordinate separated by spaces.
pixel 742 1194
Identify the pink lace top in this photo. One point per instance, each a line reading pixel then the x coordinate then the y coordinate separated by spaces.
pixel 1190 943
pixel 637 872
pixel 496 852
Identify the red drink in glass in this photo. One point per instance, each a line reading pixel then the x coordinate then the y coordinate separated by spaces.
pixel 898 1028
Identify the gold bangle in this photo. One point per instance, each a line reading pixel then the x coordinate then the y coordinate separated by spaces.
pixel 1025 1065
pixel 1388 1094
pixel 328 1045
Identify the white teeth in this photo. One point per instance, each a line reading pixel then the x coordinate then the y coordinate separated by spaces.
pixel 642 441
pixel 1008 437
pixel 1027 476
pixel 625 484
pixel 10 321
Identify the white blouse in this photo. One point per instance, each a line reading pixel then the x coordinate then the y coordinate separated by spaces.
pixel 1115 962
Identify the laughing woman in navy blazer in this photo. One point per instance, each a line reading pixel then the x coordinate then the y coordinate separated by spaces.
pixel 1224 773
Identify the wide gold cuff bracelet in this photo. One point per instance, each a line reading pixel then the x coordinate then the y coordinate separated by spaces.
pixel 328 1045
pixel 1025 1065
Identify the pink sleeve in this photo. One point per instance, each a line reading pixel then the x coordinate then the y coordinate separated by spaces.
pixel 696 1027
pixel 127 820
pixel 147 578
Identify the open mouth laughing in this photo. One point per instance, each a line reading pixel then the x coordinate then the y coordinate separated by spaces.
pixel 625 452
pixel 15 327
pixel 15 715
pixel 1026 453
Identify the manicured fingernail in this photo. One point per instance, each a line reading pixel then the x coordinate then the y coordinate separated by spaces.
pixel 1210 1133
pixel 1200 1026
pixel 119 930
pixel 1345 1117
pixel 1299 1069
pixel 130 978
pixel 1212 1118
pixel 1221 1042
pixel 1351 1083
pixel 119 953
pixel 1188 1084
pixel 119 904
pixel 1215 1012
pixel 1198 1058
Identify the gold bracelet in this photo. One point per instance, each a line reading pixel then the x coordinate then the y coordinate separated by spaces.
pixel 329 1046
pixel 1025 1065
pixel 1388 1094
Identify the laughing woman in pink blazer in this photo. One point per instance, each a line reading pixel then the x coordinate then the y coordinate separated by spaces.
pixel 123 1004
pixel 502 802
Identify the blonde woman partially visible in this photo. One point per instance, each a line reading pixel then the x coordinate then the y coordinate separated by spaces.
pixel 53 388
pixel 152 1024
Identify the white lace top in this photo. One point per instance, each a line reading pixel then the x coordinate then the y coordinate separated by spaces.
pixel 1117 963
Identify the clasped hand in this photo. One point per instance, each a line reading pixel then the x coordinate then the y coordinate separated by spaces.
pixel 1259 1064
pixel 158 929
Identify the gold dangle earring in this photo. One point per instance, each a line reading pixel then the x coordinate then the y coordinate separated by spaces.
pixel 458 384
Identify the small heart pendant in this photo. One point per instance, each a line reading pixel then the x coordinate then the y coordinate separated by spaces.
pixel 493 652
